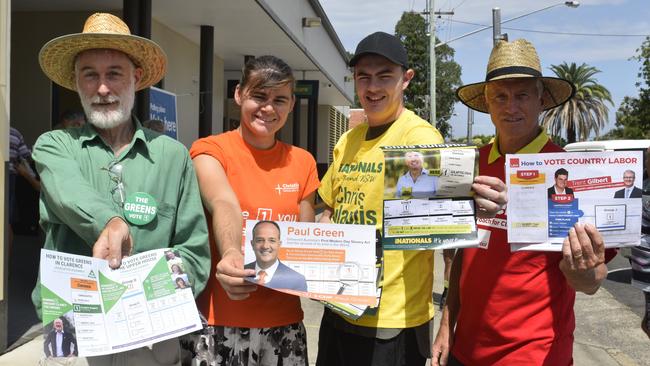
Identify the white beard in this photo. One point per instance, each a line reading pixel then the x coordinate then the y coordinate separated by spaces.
pixel 107 119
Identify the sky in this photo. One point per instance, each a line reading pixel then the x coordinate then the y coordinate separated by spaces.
pixel 611 54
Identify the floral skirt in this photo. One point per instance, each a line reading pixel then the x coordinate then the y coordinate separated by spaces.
pixel 231 346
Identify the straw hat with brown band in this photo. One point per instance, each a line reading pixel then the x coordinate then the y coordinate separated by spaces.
pixel 516 59
pixel 102 31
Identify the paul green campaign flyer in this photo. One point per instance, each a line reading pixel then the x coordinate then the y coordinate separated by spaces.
pixel 330 262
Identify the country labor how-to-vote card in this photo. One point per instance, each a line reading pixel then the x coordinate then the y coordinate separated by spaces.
pixel 428 201
pixel 549 193
pixel 147 300
pixel 329 262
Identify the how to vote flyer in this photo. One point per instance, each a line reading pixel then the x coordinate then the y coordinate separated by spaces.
pixel 428 201
pixel 103 311
pixel 549 193
pixel 329 262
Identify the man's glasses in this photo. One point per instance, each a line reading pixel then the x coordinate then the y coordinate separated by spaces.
pixel 114 170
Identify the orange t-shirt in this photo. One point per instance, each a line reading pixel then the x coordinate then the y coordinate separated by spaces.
pixel 269 185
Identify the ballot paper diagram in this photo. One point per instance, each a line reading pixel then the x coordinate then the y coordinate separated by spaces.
pixel 563 213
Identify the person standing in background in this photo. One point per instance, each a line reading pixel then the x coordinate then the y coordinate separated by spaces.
pixel 640 259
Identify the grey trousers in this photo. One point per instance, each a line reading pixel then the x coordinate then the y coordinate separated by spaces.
pixel 640 261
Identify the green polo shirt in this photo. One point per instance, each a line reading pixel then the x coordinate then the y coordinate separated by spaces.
pixel 78 197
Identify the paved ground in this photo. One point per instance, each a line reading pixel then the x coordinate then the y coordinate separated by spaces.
pixel 608 324
pixel 607 329
pixel 607 332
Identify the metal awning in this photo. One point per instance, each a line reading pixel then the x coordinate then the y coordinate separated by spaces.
pixel 246 27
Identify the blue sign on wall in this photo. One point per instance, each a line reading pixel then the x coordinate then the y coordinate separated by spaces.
pixel 162 107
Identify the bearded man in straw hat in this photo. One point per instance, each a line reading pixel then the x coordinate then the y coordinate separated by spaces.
pixel 92 176
pixel 516 308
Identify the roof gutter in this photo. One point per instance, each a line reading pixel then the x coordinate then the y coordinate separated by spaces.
pixel 320 12
pixel 328 28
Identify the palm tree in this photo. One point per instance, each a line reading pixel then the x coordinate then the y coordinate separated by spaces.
pixel 586 111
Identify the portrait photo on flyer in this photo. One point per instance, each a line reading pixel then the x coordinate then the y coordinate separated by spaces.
pixel 428 200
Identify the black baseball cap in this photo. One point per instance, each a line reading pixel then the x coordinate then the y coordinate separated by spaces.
pixel 382 44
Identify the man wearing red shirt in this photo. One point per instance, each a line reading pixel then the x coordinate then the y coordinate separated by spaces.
pixel 516 308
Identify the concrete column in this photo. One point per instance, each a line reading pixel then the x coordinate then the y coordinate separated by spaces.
pixel 206 62
pixel 5 36
pixel 137 15
pixel 296 122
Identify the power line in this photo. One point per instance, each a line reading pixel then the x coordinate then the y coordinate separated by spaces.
pixel 459 5
pixel 577 33
pixel 449 19
pixel 552 32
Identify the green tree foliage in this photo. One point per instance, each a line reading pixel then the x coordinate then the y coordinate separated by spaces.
pixel 478 140
pixel 481 140
pixel 412 30
pixel 586 112
pixel 633 115
pixel 559 140
pixel 356 97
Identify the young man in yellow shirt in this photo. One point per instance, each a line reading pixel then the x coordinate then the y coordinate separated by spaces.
pixel 397 332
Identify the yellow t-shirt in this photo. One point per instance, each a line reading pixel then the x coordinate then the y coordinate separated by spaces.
pixel 354 188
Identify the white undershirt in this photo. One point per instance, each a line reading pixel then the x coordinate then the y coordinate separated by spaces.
pixel 59 344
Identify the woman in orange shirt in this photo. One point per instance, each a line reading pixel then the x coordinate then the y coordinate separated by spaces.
pixel 247 173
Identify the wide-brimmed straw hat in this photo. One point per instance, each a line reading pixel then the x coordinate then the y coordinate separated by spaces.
pixel 102 31
pixel 516 59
